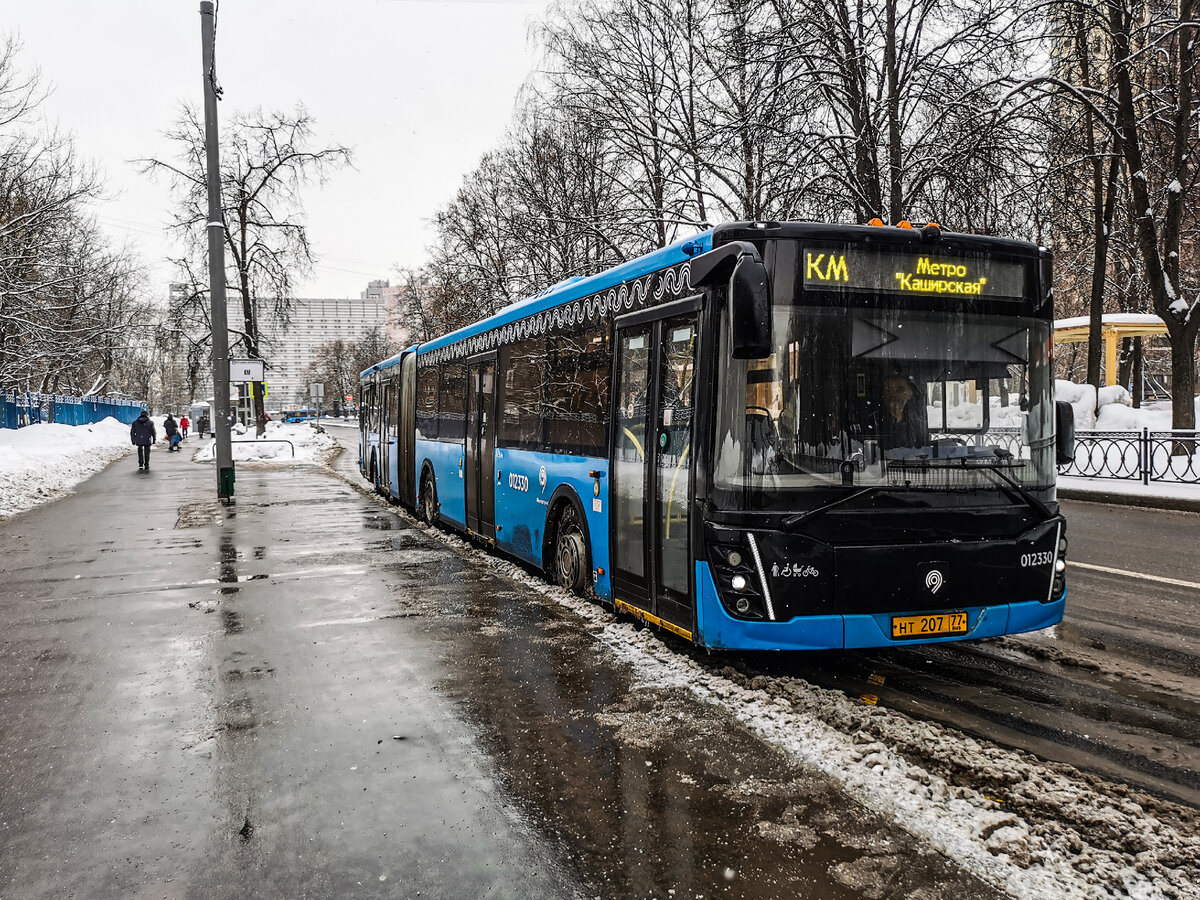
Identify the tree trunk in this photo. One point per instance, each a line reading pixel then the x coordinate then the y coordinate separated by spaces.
pixel 1125 361
pixel 895 163
pixel 1139 373
pixel 1183 379
pixel 1183 389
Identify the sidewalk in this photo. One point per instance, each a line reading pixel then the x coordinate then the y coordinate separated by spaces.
pixel 1127 492
pixel 224 702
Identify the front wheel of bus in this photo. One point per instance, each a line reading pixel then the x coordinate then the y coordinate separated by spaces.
pixel 570 551
pixel 429 500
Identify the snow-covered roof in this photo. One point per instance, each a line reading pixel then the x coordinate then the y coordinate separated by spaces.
pixel 1110 319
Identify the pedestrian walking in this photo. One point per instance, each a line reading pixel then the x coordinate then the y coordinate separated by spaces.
pixel 143 434
pixel 171 427
pixel 183 426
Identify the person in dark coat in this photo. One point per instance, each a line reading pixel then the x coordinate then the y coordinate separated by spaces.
pixel 171 429
pixel 143 434
pixel 900 423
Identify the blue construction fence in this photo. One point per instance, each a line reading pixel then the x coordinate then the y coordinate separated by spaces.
pixel 23 408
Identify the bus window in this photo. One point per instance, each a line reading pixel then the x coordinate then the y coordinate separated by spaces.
pixel 524 368
pixel 452 421
pixel 576 395
pixel 427 403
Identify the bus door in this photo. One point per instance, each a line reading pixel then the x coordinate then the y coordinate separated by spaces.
pixel 387 436
pixel 405 448
pixel 651 468
pixel 480 456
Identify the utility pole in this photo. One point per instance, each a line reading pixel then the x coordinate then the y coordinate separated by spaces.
pixel 216 262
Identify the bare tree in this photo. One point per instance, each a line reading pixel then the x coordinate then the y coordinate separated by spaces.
pixel 69 303
pixel 908 90
pixel 1134 74
pixel 266 162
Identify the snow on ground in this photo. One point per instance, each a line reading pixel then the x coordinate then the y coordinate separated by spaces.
pixel 39 463
pixel 1031 828
pixel 1116 412
pixel 309 442
pixel 43 462
pixel 1128 487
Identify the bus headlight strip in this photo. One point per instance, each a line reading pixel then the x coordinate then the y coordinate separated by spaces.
pixel 762 576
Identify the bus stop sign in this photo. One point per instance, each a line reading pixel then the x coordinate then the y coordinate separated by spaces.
pixel 241 370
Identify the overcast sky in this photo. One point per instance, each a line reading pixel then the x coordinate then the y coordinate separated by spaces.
pixel 419 89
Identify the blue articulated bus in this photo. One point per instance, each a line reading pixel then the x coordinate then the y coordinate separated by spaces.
pixel 767 436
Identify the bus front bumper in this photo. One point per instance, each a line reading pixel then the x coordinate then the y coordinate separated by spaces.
pixel 717 629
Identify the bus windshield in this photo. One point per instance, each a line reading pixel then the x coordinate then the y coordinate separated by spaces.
pixel 861 394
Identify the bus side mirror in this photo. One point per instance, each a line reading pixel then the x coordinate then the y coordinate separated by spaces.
pixel 750 309
pixel 749 294
pixel 1064 433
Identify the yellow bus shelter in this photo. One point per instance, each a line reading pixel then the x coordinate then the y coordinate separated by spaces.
pixel 1113 327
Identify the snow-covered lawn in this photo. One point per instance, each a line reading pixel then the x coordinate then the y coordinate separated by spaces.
pixel 39 463
pixel 42 462
pixel 310 443
pixel 1116 412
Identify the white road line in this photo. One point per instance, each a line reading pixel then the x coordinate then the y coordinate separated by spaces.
pixel 1142 575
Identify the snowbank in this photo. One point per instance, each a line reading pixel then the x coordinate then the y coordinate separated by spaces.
pixel 311 444
pixel 1116 408
pixel 1082 398
pixel 42 462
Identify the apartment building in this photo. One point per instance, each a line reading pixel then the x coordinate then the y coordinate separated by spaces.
pixel 289 350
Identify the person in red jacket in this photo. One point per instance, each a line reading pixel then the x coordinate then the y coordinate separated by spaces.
pixel 183 426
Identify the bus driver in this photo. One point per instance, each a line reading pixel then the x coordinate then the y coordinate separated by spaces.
pixel 900 424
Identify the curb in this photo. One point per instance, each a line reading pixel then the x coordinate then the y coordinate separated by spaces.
pixel 1177 504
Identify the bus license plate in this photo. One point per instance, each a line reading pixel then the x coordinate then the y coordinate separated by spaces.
pixel 932 625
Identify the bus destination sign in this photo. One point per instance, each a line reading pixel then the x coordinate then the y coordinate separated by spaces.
pixel 908 273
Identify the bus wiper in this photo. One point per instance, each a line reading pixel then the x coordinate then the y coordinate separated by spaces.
pixel 997 469
pixel 791 523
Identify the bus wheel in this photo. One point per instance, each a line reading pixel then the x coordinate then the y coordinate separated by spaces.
pixel 429 511
pixel 570 551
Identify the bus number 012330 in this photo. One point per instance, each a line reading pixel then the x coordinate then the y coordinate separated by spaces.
pixel 1041 558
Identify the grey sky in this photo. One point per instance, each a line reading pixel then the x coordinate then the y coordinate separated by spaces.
pixel 418 88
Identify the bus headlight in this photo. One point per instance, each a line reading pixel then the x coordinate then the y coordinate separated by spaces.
pixel 738 583
pixel 1060 565
pixel 735 558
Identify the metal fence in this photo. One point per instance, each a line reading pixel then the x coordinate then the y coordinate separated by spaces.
pixel 1145 456
pixel 21 408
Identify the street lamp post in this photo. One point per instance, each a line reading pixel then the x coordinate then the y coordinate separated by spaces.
pixel 216 263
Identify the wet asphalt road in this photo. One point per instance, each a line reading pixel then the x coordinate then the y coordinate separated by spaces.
pixel 307 695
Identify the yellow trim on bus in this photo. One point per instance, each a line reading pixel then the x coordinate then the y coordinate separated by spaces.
pixel 653 619
pixel 674 481
pixel 641 451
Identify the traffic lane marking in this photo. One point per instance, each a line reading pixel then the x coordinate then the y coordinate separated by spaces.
pixel 1159 578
